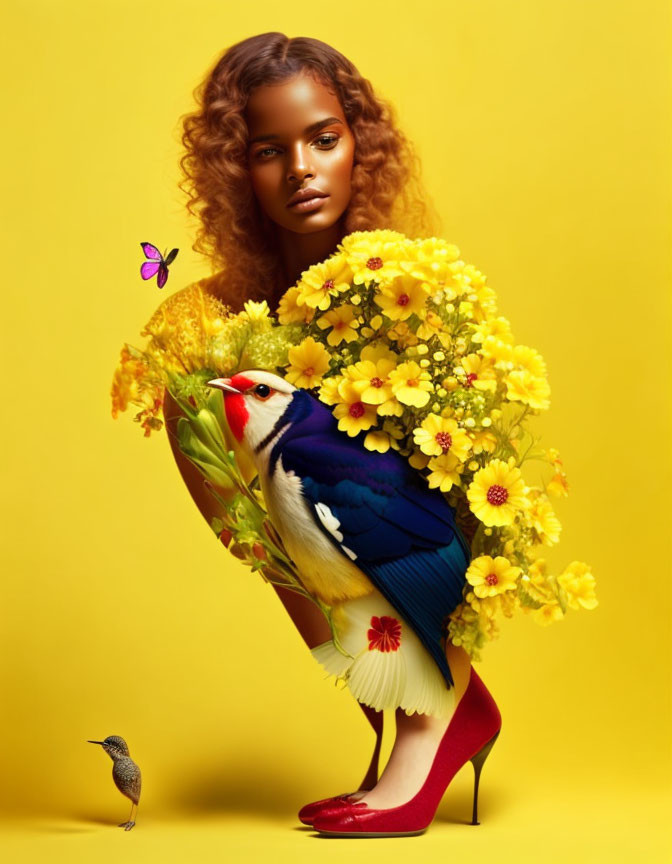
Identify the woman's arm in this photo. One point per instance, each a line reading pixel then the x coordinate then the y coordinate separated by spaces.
pixel 307 617
pixel 192 477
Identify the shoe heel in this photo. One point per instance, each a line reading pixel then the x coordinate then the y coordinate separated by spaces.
pixel 477 761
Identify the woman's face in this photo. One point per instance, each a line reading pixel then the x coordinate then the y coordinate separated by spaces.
pixel 299 139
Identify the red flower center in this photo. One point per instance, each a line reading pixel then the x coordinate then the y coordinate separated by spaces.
pixel 444 440
pixel 385 633
pixel 309 371
pixel 403 299
pixel 472 376
pixel 356 409
pixel 491 579
pixel 497 495
pixel 376 382
pixel 328 285
pixel 412 382
pixel 374 263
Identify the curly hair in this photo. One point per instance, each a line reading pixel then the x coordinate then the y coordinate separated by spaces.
pixel 386 188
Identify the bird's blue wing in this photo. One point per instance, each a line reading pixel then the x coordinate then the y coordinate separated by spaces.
pixel 399 532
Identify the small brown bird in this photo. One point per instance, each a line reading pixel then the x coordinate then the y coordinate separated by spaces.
pixel 125 773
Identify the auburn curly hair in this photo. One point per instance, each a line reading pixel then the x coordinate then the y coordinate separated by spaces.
pixel 233 231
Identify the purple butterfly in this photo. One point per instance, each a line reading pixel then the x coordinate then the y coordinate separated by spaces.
pixel 156 264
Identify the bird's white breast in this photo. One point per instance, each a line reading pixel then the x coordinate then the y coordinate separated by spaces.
pixel 325 571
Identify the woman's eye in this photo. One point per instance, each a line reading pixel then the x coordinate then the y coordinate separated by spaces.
pixel 325 141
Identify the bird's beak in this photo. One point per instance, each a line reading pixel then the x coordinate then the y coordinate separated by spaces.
pixel 223 384
pixel 95 742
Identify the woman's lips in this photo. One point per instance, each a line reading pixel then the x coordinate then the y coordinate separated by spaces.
pixel 308 205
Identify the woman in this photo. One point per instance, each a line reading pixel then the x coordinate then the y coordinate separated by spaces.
pixel 289 151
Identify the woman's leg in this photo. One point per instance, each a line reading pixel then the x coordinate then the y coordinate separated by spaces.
pixel 417 740
pixel 314 629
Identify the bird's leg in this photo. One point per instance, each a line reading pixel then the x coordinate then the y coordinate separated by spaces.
pixel 131 822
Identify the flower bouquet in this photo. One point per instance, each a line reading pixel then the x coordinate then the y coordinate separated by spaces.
pixel 404 341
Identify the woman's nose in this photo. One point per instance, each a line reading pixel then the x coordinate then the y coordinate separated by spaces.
pixel 300 166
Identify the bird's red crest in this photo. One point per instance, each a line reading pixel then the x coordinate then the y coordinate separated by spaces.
pixel 237 414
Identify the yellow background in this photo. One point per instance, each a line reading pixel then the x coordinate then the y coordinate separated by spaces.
pixel 544 131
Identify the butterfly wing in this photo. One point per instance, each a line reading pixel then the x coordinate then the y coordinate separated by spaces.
pixel 151 252
pixel 171 256
pixel 162 278
pixel 150 268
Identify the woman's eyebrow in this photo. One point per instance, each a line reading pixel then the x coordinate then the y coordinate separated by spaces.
pixel 307 131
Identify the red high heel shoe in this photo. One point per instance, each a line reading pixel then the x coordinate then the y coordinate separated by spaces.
pixel 308 812
pixel 472 731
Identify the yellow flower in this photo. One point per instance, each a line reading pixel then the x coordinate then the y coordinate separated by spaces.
pixel 377 440
pixel 478 372
pixel 490 576
pixel 530 359
pixel 437 435
pixel 428 260
pixel 391 408
pixel 499 327
pixel 444 472
pixel 525 387
pixel 547 614
pixel 535 582
pixel 558 484
pixel 483 441
pixel 508 603
pixel 374 255
pixel 402 334
pixel 579 585
pixel 329 389
pixel 378 350
pixel 352 414
pixel 343 324
pixel 135 382
pixel 411 385
pixel 125 387
pixel 497 493
pixel 371 378
pixel 543 520
pixel 322 281
pixel 184 326
pixel 432 325
pixel 418 460
pixel 289 312
pixel 402 297
pixel 307 363
pixel 258 315
pixel 498 351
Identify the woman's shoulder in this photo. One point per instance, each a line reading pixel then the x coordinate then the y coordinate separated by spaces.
pixel 204 299
pixel 223 289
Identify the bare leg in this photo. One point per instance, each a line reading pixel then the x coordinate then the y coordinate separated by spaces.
pixel 314 629
pixel 417 740
pixel 131 820
pixel 307 618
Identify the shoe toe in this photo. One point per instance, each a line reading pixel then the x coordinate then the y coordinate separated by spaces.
pixel 308 812
pixel 340 821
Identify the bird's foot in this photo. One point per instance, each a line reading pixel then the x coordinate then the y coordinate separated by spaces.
pixel 126 825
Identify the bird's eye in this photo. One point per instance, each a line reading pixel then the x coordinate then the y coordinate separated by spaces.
pixel 262 391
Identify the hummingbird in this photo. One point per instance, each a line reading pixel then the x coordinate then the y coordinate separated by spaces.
pixel 352 520
pixel 125 773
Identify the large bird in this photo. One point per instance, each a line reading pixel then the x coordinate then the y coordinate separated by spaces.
pixel 354 521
